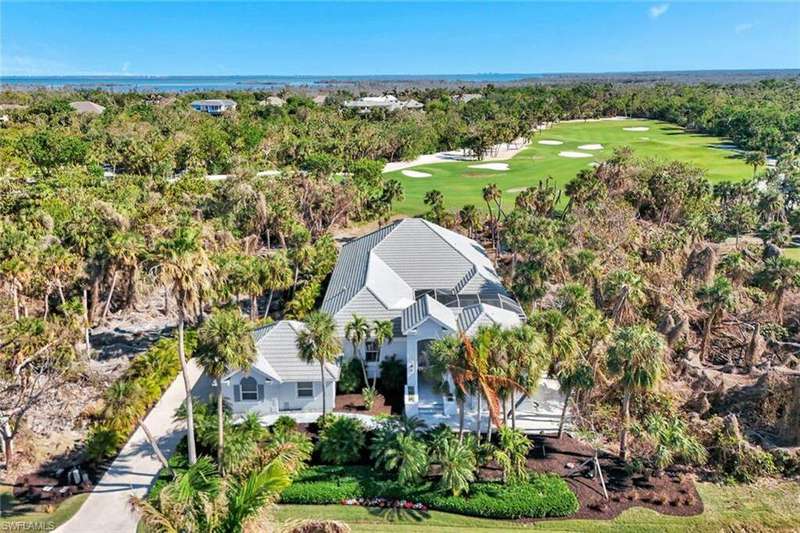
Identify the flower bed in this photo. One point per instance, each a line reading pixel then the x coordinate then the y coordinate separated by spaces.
pixel 542 496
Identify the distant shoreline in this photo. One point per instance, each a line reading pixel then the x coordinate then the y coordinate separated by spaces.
pixel 178 84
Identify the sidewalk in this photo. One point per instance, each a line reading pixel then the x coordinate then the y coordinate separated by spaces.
pixel 106 510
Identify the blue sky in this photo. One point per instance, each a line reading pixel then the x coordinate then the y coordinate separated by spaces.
pixel 293 38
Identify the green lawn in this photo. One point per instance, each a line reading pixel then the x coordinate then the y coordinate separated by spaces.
pixel 462 185
pixel 20 516
pixel 766 506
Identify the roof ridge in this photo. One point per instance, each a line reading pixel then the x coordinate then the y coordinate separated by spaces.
pixel 393 225
pixel 429 225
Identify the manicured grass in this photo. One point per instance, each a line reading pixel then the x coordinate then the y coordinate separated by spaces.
pixel 20 516
pixel 766 506
pixel 792 253
pixel 462 185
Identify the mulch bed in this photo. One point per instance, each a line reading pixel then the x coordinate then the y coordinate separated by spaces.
pixel 354 403
pixel 672 493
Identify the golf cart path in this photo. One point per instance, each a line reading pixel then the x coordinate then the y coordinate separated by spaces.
pixel 136 467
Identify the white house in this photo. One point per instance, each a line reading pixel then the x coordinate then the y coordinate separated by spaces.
pixel 279 381
pixel 388 102
pixel 431 283
pixel 214 106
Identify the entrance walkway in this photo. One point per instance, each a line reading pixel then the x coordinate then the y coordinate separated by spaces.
pixel 107 510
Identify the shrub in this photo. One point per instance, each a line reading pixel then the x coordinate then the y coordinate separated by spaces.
pixel 786 462
pixel 393 376
pixel 539 497
pixel 283 424
pixel 103 443
pixel 369 395
pixel 341 440
pixel 351 377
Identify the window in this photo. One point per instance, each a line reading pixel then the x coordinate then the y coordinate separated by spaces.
pixel 372 352
pixel 305 389
pixel 249 389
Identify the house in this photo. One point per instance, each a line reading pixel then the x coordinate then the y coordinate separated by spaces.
pixel 273 101
pixel 466 97
pixel 214 107
pixel 87 107
pixel 388 102
pixel 431 283
pixel 320 99
pixel 279 381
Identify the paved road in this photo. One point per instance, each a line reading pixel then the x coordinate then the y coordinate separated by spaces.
pixel 106 510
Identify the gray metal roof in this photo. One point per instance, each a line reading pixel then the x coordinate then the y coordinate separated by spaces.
pixel 278 356
pixel 411 254
pixel 87 107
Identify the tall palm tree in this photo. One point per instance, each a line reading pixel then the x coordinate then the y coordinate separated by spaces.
pixel 755 159
pixel 183 265
pixel 469 219
pixel 276 276
pixel 637 358
pixel 779 275
pixel 715 299
pixel 224 344
pixel 624 291
pixel 493 195
pixel 448 355
pixel 383 333
pixel 527 361
pixel 317 343
pixel 357 332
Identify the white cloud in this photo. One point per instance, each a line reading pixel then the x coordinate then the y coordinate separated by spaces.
pixel 742 28
pixel 126 66
pixel 658 10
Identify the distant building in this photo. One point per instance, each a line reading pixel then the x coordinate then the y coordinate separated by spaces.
pixel 320 99
pixel 464 98
pixel 388 102
pixel 273 101
pixel 87 107
pixel 214 107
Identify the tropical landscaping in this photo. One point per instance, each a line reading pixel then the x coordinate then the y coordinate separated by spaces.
pixel 656 287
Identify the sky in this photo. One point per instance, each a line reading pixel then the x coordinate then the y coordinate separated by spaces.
pixel 359 38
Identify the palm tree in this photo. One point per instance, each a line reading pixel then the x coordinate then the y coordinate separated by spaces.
pixel 755 159
pixel 357 332
pixel 512 455
pixel 573 374
pixel 183 265
pixel 457 462
pixel 317 342
pixel 624 291
pixel 383 333
pixel 447 355
pixel 527 361
pixel 408 456
pixel 469 219
pixel 276 275
pixel 779 275
pixel 493 195
pixel 224 344
pixel 637 358
pixel 715 299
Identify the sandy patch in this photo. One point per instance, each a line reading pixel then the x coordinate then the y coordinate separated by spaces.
pixel 574 155
pixel 415 174
pixel 645 138
pixel 491 166
pixel 594 164
pixel 516 189
pixel 590 147
pixel 637 128
pixel 550 142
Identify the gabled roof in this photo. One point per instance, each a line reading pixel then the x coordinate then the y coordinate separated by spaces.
pixel 427 308
pixel 278 357
pixel 472 317
pixel 87 107
pixel 215 101
pixel 410 255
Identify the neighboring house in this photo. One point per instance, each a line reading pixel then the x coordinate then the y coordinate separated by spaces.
pixel 214 107
pixel 467 97
pixel 320 99
pixel 273 101
pixel 87 107
pixel 431 283
pixel 388 102
pixel 279 381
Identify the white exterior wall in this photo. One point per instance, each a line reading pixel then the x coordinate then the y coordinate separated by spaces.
pixel 397 348
pixel 279 397
pixel 430 329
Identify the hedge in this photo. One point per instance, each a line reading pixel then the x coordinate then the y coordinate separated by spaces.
pixel 544 495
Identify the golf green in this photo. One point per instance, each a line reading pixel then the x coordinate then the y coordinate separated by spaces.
pixel 460 184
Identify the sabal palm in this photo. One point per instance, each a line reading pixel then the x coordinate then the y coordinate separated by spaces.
pixel 637 358
pixel 183 264
pixel 447 355
pixel 276 276
pixel 383 333
pixel 779 275
pixel 715 299
pixel 624 291
pixel 357 332
pixel 527 361
pixel 224 344
pixel 317 343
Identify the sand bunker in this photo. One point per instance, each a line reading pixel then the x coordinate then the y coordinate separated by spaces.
pixel 636 128
pixel 415 174
pixel 491 166
pixel 550 143
pixel 590 147
pixel 594 164
pixel 574 155
pixel 516 189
